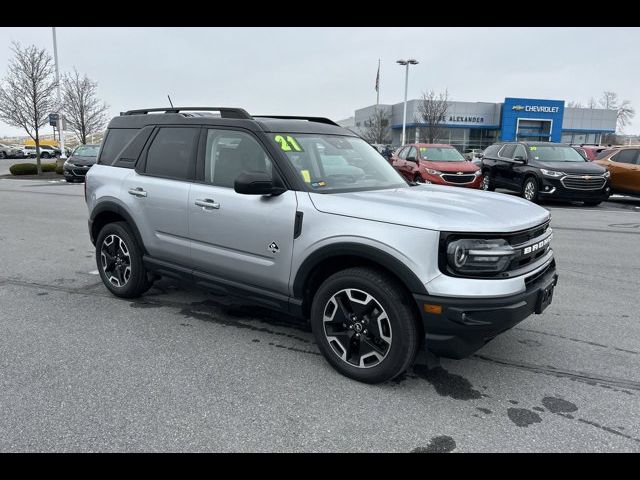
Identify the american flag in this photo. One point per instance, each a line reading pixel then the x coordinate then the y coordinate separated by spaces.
pixel 378 78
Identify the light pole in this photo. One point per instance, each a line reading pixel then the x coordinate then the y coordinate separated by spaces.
pixel 408 62
pixel 60 119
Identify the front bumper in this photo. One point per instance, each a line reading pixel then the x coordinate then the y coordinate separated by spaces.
pixel 553 188
pixel 75 171
pixel 465 325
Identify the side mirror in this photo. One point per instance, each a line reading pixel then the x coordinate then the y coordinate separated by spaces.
pixel 520 160
pixel 257 183
pixel 480 155
pixel 411 159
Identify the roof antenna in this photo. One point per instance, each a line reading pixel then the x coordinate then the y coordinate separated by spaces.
pixel 170 100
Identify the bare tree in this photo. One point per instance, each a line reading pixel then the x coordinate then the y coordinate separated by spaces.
pixel 574 104
pixel 592 103
pixel 83 111
pixel 27 92
pixel 377 127
pixel 625 112
pixel 432 111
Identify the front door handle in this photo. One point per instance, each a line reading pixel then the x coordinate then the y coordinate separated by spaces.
pixel 207 203
pixel 137 192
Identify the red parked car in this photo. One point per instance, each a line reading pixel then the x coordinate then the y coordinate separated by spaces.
pixel 590 152
pixel 436 163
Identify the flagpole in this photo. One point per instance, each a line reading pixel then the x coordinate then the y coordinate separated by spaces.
pixel 378 89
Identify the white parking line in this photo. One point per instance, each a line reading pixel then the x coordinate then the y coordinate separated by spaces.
pixel 93 272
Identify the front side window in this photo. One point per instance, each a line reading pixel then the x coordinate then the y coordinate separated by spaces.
pixel 507 151
pixel 441 154
pixel 333 163
pixel 520 152
pixel 412 153
pixel 555 153
pixel 172 152
pixel 403 153
pixel 229 153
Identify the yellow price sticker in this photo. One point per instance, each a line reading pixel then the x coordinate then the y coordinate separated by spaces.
pixel 533 148
pixel 306 176
pixel 288 143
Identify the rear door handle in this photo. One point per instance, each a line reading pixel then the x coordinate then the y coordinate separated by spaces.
pixel 207 203
pixel 137 192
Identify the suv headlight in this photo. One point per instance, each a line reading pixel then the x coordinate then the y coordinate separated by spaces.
pixel 431 171
pixel 552 173
pixel 477 173
pixel 468 256
pixel 606 174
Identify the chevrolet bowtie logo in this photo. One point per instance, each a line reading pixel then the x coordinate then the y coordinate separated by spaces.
pixel 517 108
pixel 459 173
pixel 586 177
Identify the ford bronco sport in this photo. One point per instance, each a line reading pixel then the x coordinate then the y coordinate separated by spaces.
pixel 300 215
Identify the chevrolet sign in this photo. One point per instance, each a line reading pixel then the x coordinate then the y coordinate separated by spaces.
pixel 536 108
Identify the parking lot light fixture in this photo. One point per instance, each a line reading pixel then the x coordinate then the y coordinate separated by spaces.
pixel 406 63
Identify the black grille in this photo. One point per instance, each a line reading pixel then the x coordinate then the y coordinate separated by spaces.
pixel 451 178
pixel 522 237
pixel 583 182
pixel 79 171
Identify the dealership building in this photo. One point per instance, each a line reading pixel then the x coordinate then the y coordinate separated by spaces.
pixel 469 125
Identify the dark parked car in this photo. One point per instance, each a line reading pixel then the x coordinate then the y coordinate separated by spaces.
pixel 540 170
pixel 78 164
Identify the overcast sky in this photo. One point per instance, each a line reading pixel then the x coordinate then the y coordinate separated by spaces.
pixel 331 71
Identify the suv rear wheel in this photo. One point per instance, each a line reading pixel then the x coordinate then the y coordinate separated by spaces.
pixel 364 325
pixel 119 260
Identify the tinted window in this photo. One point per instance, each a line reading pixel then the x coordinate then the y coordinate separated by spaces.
pixel 492 150
pixel 625 156
pixel 230 153
pixel 507 151
pixel 171 152
pixel 520 152
pixel 412 153
pixel 403 153
pixel 116 140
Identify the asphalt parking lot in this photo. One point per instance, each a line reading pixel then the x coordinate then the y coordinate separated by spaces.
pixel 178 370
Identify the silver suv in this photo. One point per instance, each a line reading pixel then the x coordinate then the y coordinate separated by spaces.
pixel 300 215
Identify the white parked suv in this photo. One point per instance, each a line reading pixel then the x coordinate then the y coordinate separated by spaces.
pixel 258 207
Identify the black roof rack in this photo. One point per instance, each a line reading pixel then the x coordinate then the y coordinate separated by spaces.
pixel 225 112
pixel 310 119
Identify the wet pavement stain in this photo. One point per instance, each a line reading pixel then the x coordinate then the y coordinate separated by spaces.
pixel 539 409
pixel 523 417
pixel 530 343
pixel 143 304
pixel 441 444
pixel 447 384
pixel 42 293
pixel 558 405
pixel 186 325
pixel 484 410
pixel 513 402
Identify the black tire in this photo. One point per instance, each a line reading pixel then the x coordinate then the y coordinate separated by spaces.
pixel 3 155
pixel 593 203
pixel 487 182
pixel 44 155
pixel 70 180
pixel 397 318
pixel 138 281
pixel 530 189
pixel 418 179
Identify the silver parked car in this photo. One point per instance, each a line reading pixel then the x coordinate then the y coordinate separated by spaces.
pixel 300 215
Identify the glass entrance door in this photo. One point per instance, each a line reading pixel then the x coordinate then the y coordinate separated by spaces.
pixel 533 130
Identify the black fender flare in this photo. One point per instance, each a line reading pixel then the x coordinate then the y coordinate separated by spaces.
pixel 113 207
pixel 384 259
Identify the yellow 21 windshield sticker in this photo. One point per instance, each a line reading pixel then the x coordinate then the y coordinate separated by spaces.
pixel 288 143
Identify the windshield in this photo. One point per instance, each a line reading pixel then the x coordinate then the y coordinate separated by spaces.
pixel 87 151
pixel 441 154
pixel 555 153
pixel 331 163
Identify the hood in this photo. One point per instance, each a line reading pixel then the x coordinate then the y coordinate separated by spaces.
pixel 450 167
pixel 82 160
pixel 588 168
pixel 436 207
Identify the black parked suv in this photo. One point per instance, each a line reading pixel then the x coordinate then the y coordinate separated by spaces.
pixel 540 170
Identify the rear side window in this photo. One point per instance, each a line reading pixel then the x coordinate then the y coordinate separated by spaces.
pixel 625 156
pixel 507 151
pixel 604 153
pixel 117 139
pixel 491 151
pixel 172 153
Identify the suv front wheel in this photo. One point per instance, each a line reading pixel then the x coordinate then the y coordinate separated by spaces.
pixel 119 260
pixel 364 325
